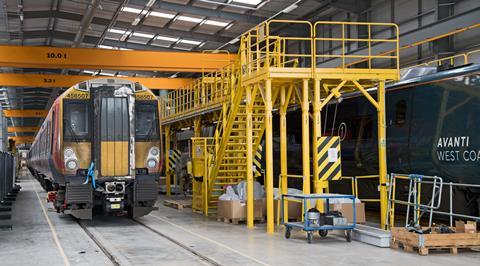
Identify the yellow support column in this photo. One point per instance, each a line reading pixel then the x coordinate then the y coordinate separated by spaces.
pixel 167 159
pixel 305 138
pixel 250 211
pixel 197 127
pixel 382 152
pixel 317 133
pixel 283 148
pixel 269 155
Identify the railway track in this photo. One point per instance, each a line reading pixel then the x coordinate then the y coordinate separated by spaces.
pixel 113 254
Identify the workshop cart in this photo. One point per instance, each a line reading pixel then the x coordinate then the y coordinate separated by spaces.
pixel 322 228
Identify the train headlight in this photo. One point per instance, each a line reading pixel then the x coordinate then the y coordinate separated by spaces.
pixel 72 164
pixel 68 153
pixel 154 151
pixel 151 163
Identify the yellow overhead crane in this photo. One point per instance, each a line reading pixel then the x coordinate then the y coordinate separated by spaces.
pixel 53 80
pixel 268 75
pixel 25 113
pixel 22 129
pixel 91 58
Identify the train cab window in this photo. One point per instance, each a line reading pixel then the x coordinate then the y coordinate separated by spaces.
pixel 146 121
pixel 76 126
pixel 400 113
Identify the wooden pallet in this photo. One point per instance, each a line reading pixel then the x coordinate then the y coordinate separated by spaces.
pixel 178 204
pixel 411 241
pixel 238 220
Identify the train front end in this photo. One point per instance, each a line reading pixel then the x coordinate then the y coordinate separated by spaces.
pixel 111 148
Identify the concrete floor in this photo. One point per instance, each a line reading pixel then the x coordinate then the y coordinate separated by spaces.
pixel 32 242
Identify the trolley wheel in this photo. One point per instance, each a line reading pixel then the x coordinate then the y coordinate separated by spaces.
pixel 287 232
pixel 309 237
pixel 323 233
pixel 348 235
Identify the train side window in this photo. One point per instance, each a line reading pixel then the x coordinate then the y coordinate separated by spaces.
pixel 400 113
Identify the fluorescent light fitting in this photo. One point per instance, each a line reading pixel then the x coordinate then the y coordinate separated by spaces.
pixel 202 44
pixel 215 23
pixel 190 19
pixel 234 41
pixel 289 8
pixel 134 10
pixel 117 31
pixel 143 35
pixel 190 42
pixel 182 48
pixel 165 38
pixel 229 26
pixel 107 74
pixel 248 2
pixel 105 47
pixel 88 72
pixel 161 15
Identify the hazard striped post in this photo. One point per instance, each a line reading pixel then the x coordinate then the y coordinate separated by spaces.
pixel 329 159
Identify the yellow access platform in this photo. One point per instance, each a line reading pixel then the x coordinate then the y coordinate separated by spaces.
pixel 273 71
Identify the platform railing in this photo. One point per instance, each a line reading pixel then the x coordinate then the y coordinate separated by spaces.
pixel 354 184
pixel 342 57
pixel 433 204
pixel 212 89
pixel 262 49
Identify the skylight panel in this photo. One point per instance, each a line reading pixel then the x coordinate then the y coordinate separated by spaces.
pixel 216 23
pixel 190 19
pixel 105 47
pixel 134 10
pixel 161 15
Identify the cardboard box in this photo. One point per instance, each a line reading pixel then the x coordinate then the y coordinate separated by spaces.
pixel 236 209
pixel 469 227
pixel 294 209
pixel 347 211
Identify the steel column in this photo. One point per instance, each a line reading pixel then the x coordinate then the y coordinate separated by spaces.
pixel 283 148
pixel 167 160
pixel 249 137
pixel 305 138
pixel 269 155
pixel 382 152
pixel 317 133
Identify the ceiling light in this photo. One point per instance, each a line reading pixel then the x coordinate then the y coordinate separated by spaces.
pixel 117 31
pixel 161 15
pixel 190 19
pixel 289 8
pixel 165 38
pixel 182 48
pixel 202 44
pixel 216 23
pixel 234 41
pixel 248 2
pixel 107 74
pixel 143 35
pixel 190 42
pixel 105 47
pixel 134 10
pixel 229 26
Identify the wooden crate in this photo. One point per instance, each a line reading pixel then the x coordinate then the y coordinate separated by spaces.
pixel 179 204
pixel 410 241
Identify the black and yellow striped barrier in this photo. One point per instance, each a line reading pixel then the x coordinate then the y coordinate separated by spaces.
pixel 174 157
pixel 257 162
pixel 329 158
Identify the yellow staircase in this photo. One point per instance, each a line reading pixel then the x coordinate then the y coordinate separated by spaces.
pixel 229 165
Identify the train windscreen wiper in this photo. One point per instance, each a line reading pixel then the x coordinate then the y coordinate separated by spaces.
pixel 72 132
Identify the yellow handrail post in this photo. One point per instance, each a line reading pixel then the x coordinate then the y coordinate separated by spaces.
pixel 382 152
pixel 317 133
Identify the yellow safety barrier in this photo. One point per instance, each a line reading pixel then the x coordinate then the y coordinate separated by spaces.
pixel 354 184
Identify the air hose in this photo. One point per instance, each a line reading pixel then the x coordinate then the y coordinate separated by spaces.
pixel 91 174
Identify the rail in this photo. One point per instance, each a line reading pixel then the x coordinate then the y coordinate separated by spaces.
pixel 434 202
pixel 342 57
pixel 454 60
pixel 354 184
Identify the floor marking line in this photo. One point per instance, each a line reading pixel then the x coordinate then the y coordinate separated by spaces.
pixel 52 229
pixel 210 240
